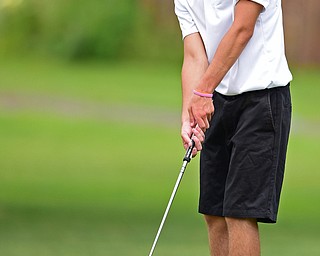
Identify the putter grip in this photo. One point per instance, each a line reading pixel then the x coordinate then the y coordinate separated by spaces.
pixel 188 154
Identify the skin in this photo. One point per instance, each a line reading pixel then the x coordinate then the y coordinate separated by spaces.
pixel 199 75
pixel 232 236
pixel 227 236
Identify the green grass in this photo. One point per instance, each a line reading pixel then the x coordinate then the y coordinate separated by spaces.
pixel 305 91
pixel 79 185
pixel 129 83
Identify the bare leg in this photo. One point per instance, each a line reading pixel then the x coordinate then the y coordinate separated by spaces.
pixel 243 237
pixel 218 235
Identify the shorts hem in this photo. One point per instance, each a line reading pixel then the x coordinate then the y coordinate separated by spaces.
pixel 261 217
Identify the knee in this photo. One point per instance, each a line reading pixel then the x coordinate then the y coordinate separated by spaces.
pixel 215 222
pixel 241 222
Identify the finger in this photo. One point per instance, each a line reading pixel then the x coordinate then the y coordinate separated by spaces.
pixel 199 133
pixel 186 140
pixel 194 152
pixel 209 116
pixel 191 118
pixel 197 141
pixel 207 123
pixel 202 133
pixel 211 112
pixel 201 123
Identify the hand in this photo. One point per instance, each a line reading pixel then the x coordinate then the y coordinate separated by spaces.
pixel 197 136
pixel 200 111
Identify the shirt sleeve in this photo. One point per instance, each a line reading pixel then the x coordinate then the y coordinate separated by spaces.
pixel 186 22
pixel 264 3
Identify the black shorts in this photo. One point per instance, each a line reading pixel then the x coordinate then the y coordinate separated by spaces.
pixel 243 158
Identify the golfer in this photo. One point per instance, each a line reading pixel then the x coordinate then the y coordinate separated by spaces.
pixel 236 103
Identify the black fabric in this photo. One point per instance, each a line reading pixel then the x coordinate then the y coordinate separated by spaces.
pixel 243 158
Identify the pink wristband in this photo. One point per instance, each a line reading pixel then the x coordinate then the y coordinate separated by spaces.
pixel 206 95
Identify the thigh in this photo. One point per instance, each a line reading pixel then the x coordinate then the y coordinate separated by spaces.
pixel 214 164
pixel 257 159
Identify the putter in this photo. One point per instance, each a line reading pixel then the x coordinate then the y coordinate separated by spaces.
pixel 186 160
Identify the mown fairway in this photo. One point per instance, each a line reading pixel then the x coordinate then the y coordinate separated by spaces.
pixel 89 154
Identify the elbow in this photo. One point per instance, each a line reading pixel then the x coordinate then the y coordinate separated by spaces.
pixel 200 60
pixel 193 64
pixel 244 34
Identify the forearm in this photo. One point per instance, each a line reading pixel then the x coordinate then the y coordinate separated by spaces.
pixel 195 63
pixel 226 55
pixel 193 70
pixel 232 45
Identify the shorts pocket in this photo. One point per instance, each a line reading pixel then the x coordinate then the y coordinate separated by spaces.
pixel 271 110
pixel 286 97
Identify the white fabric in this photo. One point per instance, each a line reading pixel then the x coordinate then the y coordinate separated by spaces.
pixel 262 64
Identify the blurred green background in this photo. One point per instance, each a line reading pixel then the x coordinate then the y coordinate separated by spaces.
pixel 89 136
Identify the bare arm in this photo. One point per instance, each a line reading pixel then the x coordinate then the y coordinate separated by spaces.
pixel 229 50
pixel 195 63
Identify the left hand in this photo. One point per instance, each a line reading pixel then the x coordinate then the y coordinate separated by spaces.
pixel 200 111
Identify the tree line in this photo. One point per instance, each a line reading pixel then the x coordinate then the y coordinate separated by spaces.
pixel 113 29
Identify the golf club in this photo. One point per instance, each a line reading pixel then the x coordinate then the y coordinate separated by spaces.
pixel 186 160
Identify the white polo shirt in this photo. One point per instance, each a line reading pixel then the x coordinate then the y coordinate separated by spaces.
pixel 262 64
